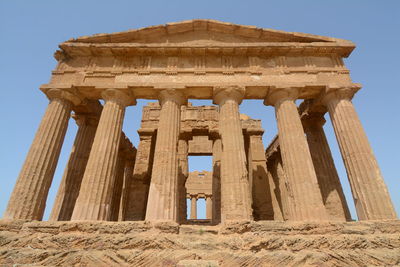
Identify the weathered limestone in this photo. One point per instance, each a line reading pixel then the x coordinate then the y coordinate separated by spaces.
pixel 295 179
pixel 28 200
pixel 209 206
pixel 306 200
pixel 182 177
pixel 278 182
pixel 71 181
pixel 328 179
pixel 193 207
pixel 163 201
pixel 235 192
pixel 130 155
pixel 118 183
pixel 216 182
pixel 260 188
pixel 94 200
pixel 139 186
pixel 370 194
pixel 350 244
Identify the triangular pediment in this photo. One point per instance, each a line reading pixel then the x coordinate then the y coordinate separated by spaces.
pixel 204 32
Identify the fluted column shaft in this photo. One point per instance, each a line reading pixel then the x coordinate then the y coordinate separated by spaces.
pixel 73 173
pixel 118 184
pixel 94 200
pixel 163 192
pixel 306 201
pixel 209 206
pixel 235 191
pixel 128 179
pixel 216 182
pixel 370 193
pixel 193 207
pixel 328 178
pixel 28 200
pixel 183 174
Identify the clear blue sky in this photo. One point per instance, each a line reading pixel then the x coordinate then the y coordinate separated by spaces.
pixel 31 30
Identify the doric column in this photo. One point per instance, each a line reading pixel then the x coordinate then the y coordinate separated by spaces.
pixel 281 187
pixel 73 173
pixel 216 182
pixel 130 154
pixel 28 200
pixel 328 178
pixel 94 200
pixel 183 174
pixel 193 207
pixel 235 192
pixel 209 206
pixel 306 197
pixel 118 181
pixel 163 193
pixel 139 185
pixel 370 194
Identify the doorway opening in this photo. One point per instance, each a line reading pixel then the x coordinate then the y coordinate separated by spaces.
pixel 198 186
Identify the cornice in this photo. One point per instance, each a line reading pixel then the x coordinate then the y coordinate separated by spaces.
pixel 249 49
pixel 213 26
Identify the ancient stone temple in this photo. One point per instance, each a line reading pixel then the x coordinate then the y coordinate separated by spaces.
pixel 125 205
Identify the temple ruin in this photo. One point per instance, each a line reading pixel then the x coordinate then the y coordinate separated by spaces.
pixel 293 180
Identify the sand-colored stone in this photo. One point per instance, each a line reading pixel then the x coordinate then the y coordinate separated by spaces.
pixel 306 201
pixel 258 177
pixel 118 183
pixel 129 164
pixel 182 178
pixel 209 206
pixel 193 207
pixel 71 181
pixel 328 178
pixel 235 190
pixel 370 193
pixel 139 186
pixel 94 200
pixel 264 243
pixel 28 200
pixel 278 181
pixel 293 184
pixel 163 201
pixel 216 181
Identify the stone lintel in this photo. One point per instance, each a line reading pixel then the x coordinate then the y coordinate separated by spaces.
pixel 252 90
pixel 146 132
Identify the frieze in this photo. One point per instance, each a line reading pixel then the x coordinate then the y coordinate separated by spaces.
pixel 175 64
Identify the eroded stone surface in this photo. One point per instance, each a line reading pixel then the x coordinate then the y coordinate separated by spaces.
pixel 201 59
pixel 166 244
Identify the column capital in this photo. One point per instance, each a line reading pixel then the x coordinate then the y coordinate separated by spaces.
pixel 119 96
pixel 172 95
pixel 313 119
pixel 224 93
pixel 338 93
pixel 193 196
pixel 276 95
pixel 86 119
pixel 208 196
pixel 63 94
